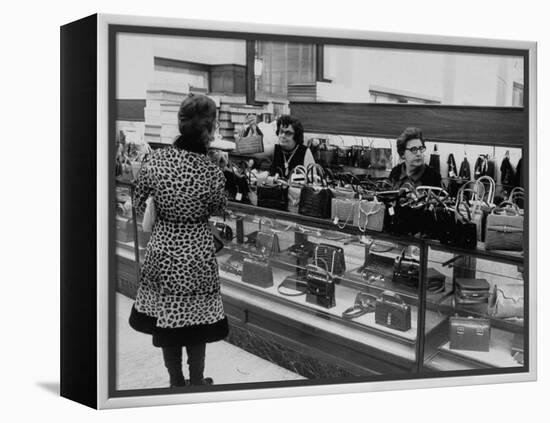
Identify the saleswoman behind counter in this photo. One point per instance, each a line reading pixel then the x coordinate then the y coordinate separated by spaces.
pixel 411 148
pixel 290 151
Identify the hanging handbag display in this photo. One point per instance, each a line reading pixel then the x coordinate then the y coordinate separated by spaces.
pixel 469 333
pixel 506 301
pixel 328 155
pixel 315 201
pixel 504 228
pixel 320 284
pixel 391 311
pixel 471 291
pixel 257 272
pixel 296 181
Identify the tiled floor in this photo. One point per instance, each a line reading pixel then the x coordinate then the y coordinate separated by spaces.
pixel 140 365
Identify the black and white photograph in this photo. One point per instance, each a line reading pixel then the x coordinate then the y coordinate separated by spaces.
pixel 289 211
pixel 293 211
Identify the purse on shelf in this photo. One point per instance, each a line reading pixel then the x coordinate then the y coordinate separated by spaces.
pixel 257 272
pixel 292 286
pixel 344 211
pixel 320 284
pixel 391 311
pixel 506 301
pixel 469 333
pixel 236 183
pixel 315 201
pixel 471 291
pixel 267 243
pixel 504 228
pixel 364 303
pixel 334 258
pixel 406 269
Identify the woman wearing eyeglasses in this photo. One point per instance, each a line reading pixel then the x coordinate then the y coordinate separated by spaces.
pixel 411 148
pixel 291 151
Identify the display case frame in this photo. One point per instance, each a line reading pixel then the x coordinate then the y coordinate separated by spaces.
pixel 90 44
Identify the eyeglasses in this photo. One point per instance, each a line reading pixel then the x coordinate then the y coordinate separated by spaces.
pixel 286 133
pixel 415 150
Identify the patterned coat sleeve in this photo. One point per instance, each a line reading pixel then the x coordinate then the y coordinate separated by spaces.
pixel 218 197
pixel 143 188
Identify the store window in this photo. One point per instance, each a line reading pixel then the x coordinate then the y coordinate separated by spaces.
pixel 284 64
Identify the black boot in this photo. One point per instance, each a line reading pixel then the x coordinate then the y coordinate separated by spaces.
pixel 195 360
pixel 172 360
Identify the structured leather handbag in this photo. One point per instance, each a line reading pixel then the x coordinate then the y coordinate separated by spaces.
pixel 272 195
pixel 469 333
pixel 257 272
pixel 370 215
pixel 504 229
pixel 333 257
pixel 344 211
pixel 406 268
pixel 267 243
pixel 320 286
pixel 471 291
pixel 296 181
pixel 249 145
pixel 316 201
pixel 506 301
pixel 391 311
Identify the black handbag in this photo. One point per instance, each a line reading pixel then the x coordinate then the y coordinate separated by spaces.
pixel 392 312
pixel 471 291
pixel 316 201
pixel 332 257
pixel 406 269
pixel 272 195
pixel 469 333
pixel 320 285
pixel 236 184
pixel 257 272
pixel 267 243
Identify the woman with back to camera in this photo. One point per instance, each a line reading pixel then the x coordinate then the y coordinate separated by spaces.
pixel 291 151
pixel 411 147
pixel 178 300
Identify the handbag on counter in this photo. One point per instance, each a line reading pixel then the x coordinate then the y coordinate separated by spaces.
pixel 273 195
pixel 469 333
pixel 257 272
pixel 391 311
pixel 315 201
pixel 296 181
pixel 504 231
pixel 506 301
pixel 471 291
pixel 320 285
pixel 370 215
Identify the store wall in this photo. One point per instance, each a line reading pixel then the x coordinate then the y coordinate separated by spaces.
pixel 135 59
pixel 453 79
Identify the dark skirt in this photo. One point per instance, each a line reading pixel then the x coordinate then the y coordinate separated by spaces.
pixel 176 337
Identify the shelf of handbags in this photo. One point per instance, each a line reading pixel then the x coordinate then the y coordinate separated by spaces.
pixel 369 289
pixel 485 314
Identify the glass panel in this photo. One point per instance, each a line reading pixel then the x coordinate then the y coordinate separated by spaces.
pixel 481 314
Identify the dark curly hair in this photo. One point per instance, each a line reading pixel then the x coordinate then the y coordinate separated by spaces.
pixel 287 120
pixel 409 133
pixel 196 119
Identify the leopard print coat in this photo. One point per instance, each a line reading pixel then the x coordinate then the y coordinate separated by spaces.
pixel 179 283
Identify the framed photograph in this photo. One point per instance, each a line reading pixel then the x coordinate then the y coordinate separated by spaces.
pixel 271 211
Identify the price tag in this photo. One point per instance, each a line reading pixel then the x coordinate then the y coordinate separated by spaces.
pixel 238 196
pixel 391 211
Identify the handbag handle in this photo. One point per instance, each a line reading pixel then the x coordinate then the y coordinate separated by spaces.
pixel 297 170
pixel 501 208
pixel 517 193
pixel 367 214
pixel 326 264
pixel 321 173
pixel 489 196
pixel 391 296
pixel 336 210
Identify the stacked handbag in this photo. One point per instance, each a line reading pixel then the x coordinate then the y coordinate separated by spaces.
pixel 470 291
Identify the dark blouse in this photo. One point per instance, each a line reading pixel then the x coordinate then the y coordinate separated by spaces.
pixel 278 163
